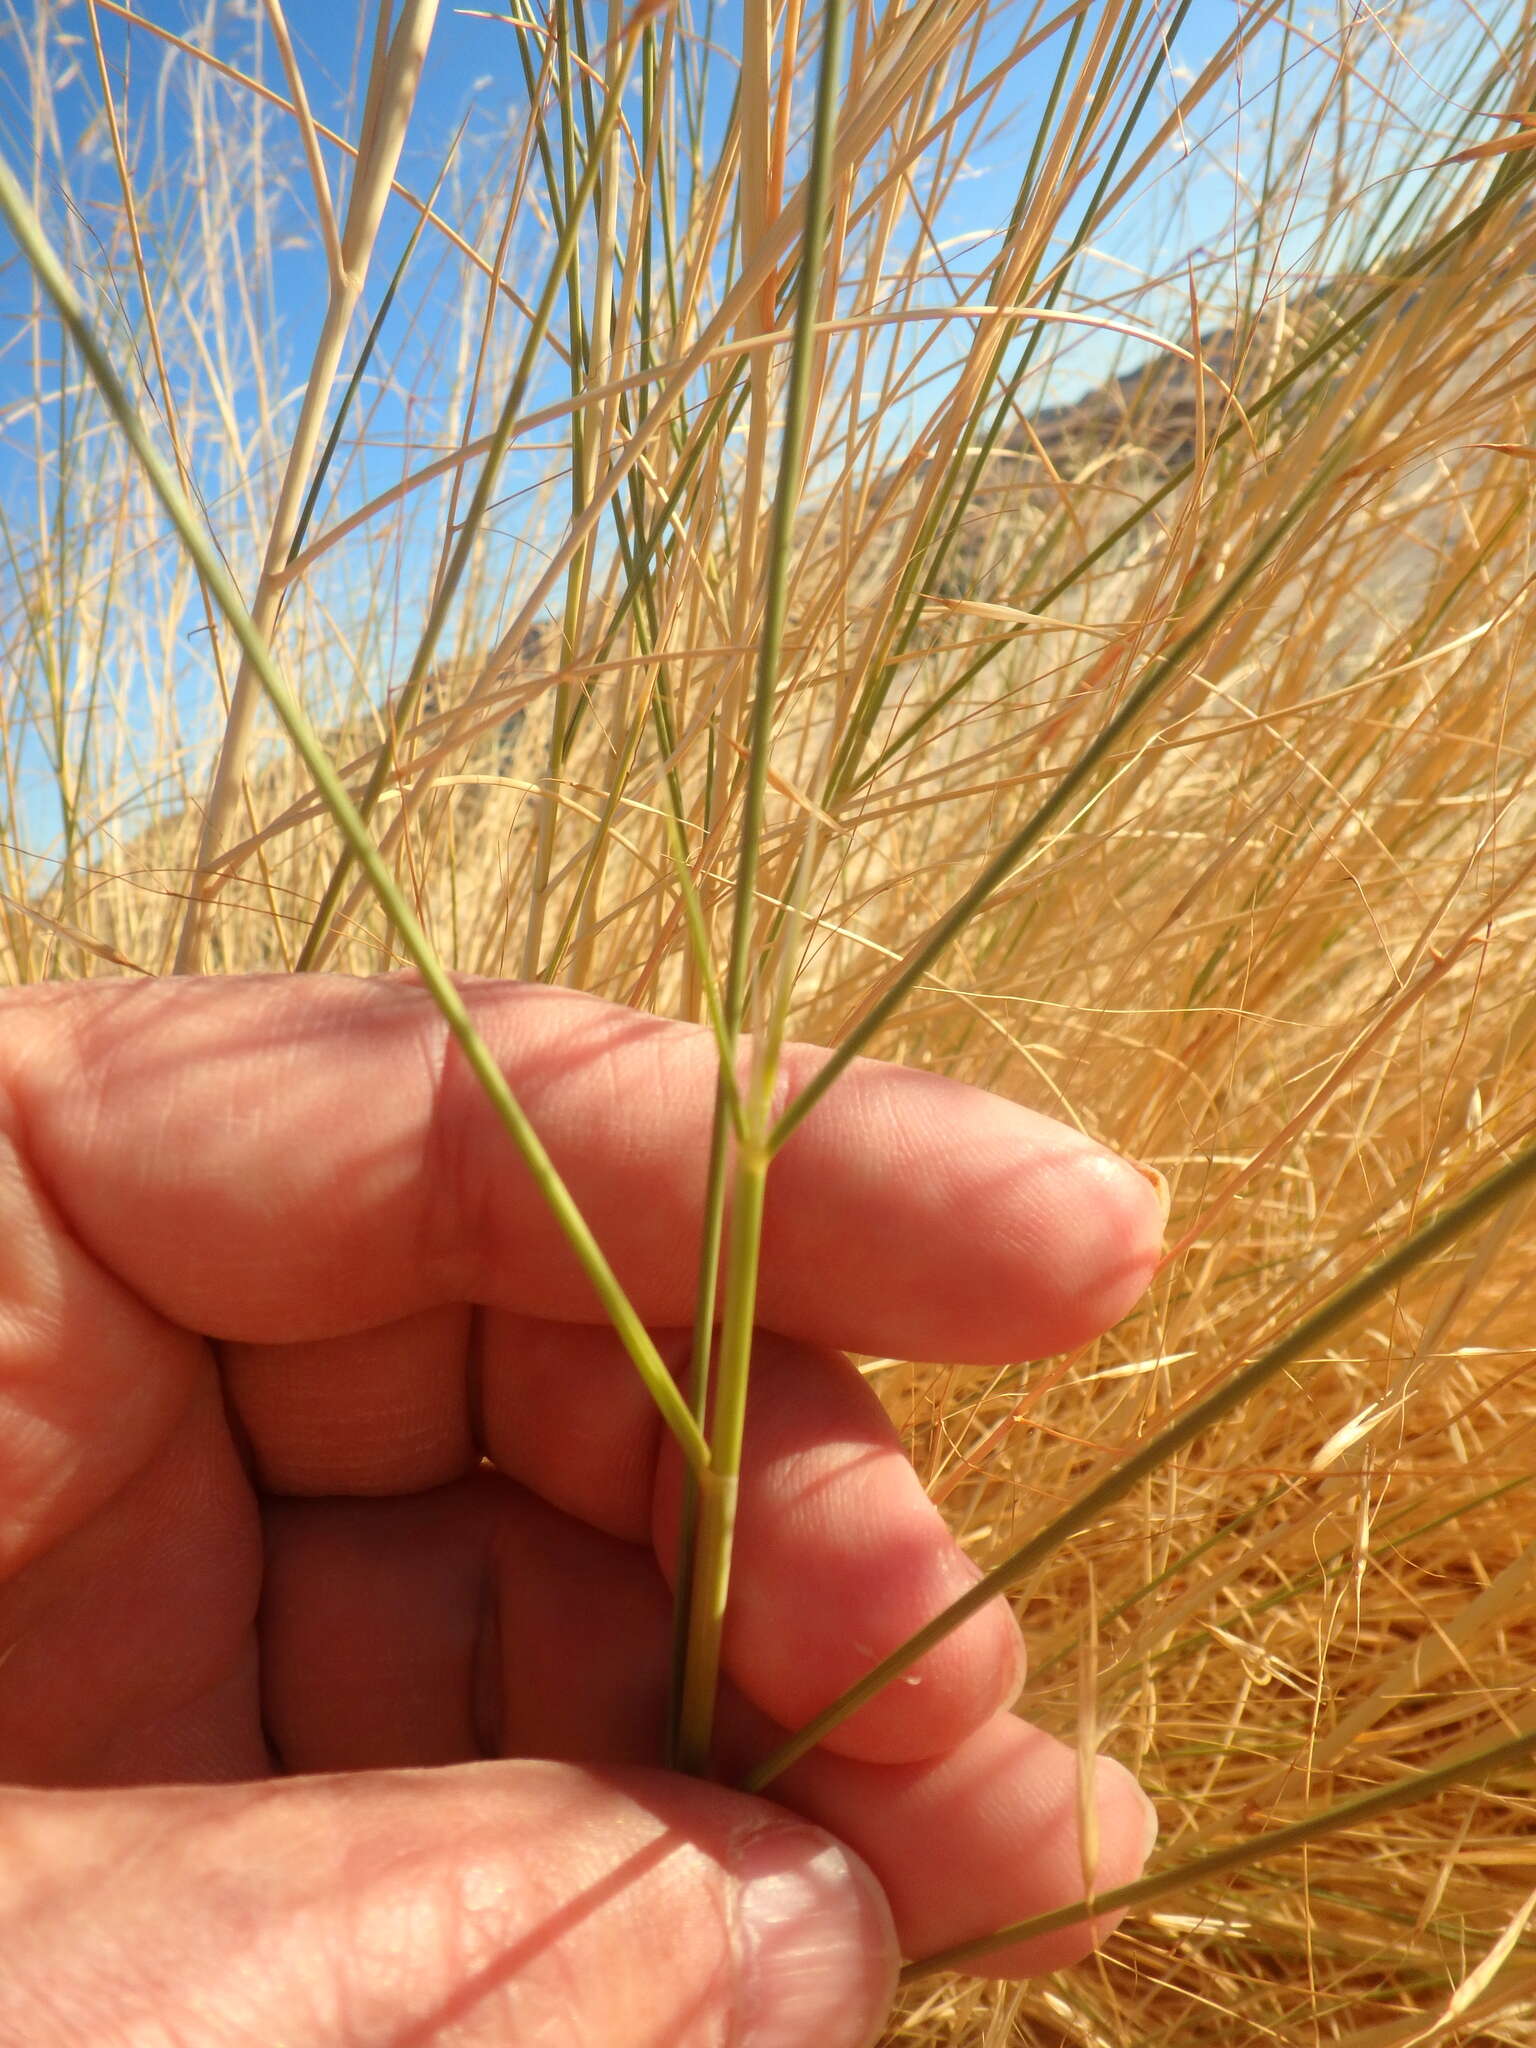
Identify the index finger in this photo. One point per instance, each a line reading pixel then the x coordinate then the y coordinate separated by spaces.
pixel 279 1158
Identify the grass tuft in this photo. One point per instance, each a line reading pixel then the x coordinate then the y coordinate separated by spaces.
pixel 1031 579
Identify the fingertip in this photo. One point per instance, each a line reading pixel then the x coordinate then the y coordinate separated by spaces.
pixel 977 1670
pixel 1111 1215
pixel 1127 1824
pixel 1125 1827
pixel 1151 1824
pixel 986 1839
pixel 1158 1182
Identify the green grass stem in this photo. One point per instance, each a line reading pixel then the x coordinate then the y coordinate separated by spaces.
pixel 709 1576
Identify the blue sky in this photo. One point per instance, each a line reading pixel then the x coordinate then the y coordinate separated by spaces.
pixel 1188 207
pixel 473 69
pixel 473 65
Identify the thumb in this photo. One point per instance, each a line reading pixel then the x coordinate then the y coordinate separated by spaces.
pixel 486 1903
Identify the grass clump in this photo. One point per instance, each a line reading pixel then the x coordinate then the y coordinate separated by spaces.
pixel 931 579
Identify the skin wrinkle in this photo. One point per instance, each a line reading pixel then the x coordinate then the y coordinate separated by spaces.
pixel 582 1412
pixel 485 1706
pixel 584 1433
pixel 456 1255
pixel 198 1760
pixel 92 1601
pixel 381 1411
pixel 535 1967
pixel 675 1175
pixel 456 1156
pixel 474 1383
pixel 141 1421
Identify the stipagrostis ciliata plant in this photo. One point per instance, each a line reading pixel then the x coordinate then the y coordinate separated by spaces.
pixel 694 555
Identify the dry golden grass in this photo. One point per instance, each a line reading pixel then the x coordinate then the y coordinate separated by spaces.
pixel 1278 944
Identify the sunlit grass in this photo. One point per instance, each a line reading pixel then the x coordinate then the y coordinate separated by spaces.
pixel 1163 761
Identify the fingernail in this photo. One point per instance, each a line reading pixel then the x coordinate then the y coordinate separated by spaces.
pixel 1149 1832
pixel 1159 1181
pixel 815 1947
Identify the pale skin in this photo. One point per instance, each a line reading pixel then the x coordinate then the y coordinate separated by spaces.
pixel 320 1728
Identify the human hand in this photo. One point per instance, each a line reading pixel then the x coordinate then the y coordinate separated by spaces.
pixel 274 1284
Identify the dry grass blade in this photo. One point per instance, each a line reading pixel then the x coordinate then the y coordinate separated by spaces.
pixel 392 90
